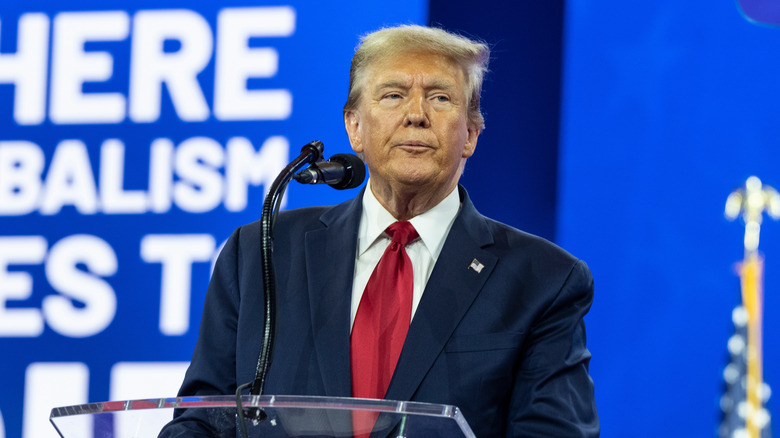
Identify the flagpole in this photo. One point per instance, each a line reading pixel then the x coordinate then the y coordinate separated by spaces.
pixel 752 201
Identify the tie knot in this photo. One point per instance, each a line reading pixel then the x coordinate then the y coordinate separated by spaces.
pixel 402 232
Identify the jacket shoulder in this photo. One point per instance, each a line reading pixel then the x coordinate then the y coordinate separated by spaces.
pixel 533 254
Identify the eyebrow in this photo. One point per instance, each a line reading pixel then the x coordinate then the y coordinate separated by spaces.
pixel 391 84
pixel 438 84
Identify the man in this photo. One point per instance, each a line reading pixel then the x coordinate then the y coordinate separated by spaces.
pixel 491 318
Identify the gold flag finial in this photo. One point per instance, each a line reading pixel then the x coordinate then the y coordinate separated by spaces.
pixel 752 201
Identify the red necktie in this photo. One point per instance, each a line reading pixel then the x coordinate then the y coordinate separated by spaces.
pixel 383 317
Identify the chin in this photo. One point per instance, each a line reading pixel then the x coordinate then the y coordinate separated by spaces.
pixel 416 181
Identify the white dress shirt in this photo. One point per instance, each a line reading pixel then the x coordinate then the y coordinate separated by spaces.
pixel 432 226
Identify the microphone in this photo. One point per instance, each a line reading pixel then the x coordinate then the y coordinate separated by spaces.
pixel 341 171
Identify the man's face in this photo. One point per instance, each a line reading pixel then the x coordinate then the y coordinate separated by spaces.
pixel 411 125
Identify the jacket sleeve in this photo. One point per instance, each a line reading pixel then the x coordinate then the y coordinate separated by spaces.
pixel 213 365
pixel 553 393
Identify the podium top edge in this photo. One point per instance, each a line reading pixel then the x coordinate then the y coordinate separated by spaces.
pixel 263 401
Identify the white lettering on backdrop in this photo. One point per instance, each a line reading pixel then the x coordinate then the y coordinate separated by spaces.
pixel 151 66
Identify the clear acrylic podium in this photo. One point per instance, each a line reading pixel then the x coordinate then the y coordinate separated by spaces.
pixel 287 416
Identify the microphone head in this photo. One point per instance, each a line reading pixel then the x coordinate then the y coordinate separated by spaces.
pixel 354 171
pixel 305 176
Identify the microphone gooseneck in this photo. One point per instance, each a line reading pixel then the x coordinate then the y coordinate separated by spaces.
pixel 310 153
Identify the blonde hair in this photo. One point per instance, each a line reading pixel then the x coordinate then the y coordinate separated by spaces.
pixel 472 56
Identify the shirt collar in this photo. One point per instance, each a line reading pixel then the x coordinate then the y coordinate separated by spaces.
pixel 375 219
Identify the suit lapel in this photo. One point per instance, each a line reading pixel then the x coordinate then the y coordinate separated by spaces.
pixel 330 263
pixel 452 287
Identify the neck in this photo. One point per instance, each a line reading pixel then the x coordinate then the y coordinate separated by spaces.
pixel 406 204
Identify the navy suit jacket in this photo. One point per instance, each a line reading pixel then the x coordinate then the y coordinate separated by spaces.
pixel 505 344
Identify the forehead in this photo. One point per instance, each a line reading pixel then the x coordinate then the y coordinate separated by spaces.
pixel 411 66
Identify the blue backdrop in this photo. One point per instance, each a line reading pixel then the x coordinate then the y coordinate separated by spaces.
pixel 667 107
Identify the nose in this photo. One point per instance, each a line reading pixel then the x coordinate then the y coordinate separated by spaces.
pixel 417 113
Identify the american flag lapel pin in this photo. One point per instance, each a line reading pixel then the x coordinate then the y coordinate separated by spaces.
pixel 476 265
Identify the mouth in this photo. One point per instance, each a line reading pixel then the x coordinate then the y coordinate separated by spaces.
pixel 413 145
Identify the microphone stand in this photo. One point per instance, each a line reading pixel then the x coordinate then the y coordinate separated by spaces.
pixel 310 153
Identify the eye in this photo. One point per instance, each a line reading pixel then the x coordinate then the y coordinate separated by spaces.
pixel 393 96
pixel 442 98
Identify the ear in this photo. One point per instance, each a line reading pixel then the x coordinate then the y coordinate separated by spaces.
pixel 471 141
pixel 352 123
